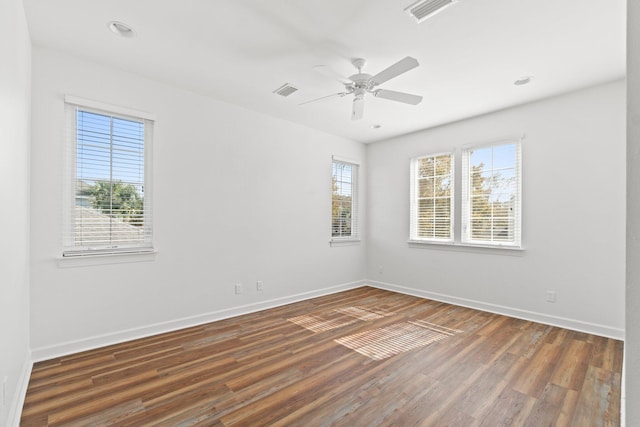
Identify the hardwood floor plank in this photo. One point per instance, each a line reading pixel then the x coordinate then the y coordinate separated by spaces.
pixel 486 389
pixel 533 379
pixel 510 409
pixel 288 399
pixel 72 400
pixel 115 414
pixel 568 409
pixel 264 369
pixel 361 393
pixel 599 398
pixel 572 368
pixel 90 371
pixel 547 409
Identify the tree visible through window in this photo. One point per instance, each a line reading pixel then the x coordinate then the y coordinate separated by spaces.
pixel 491 204
pixel 432 197
pixel 344 222
pixel 109 211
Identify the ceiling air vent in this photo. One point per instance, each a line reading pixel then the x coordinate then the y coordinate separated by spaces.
pixel 285 90
pixel 423 9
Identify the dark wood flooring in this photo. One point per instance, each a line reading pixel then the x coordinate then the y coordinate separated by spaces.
pixel 401 361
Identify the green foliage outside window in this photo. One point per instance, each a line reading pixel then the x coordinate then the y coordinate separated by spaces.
pixel 117 200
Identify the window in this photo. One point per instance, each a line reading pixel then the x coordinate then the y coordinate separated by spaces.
pixel 487 209
pixel 344 211
pixel 491 195
pixel 432 198
pixel 109 199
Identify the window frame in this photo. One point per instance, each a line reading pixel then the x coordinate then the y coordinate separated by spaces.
pixel 70 249
pixel 460 207
pixel 414 196
pixel 354 237
pixel 465 236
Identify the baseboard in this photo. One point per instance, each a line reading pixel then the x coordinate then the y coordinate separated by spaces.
pixel 576 325
pixel 71 347
pixel 15 410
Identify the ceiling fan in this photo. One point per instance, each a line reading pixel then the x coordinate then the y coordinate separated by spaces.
pixel 361 83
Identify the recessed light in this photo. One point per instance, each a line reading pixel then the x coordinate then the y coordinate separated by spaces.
pixel 121 29
pixel 523 80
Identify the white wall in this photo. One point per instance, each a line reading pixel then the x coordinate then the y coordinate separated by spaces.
pixel 238 197
pixel 632 340
pixel 15 86
pixel 573 215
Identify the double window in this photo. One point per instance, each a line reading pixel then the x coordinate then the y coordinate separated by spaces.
pixel 109 199
pixel 344 200
pixel 489 201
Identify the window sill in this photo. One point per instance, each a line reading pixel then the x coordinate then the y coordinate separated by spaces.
pixel 105 259
pixel 344 242
pixel 465 247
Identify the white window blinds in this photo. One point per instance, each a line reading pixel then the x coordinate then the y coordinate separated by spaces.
pixel 491 194
pixel 344 207
pixel 432 198
pixel 109 201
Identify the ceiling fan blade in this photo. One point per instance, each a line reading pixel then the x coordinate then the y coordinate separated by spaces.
pixel 332 74
pixel 395 70
pixel 358 108
pixel 340 94
pixel 407 98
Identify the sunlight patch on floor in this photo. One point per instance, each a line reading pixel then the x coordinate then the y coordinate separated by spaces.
pixel 339 317
pixel 320 324
pixel 381 343
pixel 362 313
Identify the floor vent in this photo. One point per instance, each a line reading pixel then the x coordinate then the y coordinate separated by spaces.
pixel 423 9
pixel 285 90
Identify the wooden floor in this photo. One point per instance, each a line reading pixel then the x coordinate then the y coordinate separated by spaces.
pixel 398 361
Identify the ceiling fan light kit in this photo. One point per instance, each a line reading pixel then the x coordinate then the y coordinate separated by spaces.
pixel 423 9
pixel 361 83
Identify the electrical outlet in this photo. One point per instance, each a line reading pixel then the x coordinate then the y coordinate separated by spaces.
pixel 380 269
pixel 238 288
pixel 551 296
pixel 259 285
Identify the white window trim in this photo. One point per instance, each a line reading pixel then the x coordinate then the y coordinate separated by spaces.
pixel 457 244
pixel 106 259
pixel 71 257
pixel 355 211
pixel 414 205
pixel 464 247
pixel 464 239
pixel 115 109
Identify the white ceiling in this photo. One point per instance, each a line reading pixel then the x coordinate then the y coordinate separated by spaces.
pixel 240 51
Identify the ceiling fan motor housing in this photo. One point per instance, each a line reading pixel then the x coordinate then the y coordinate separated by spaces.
pixel 361 81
